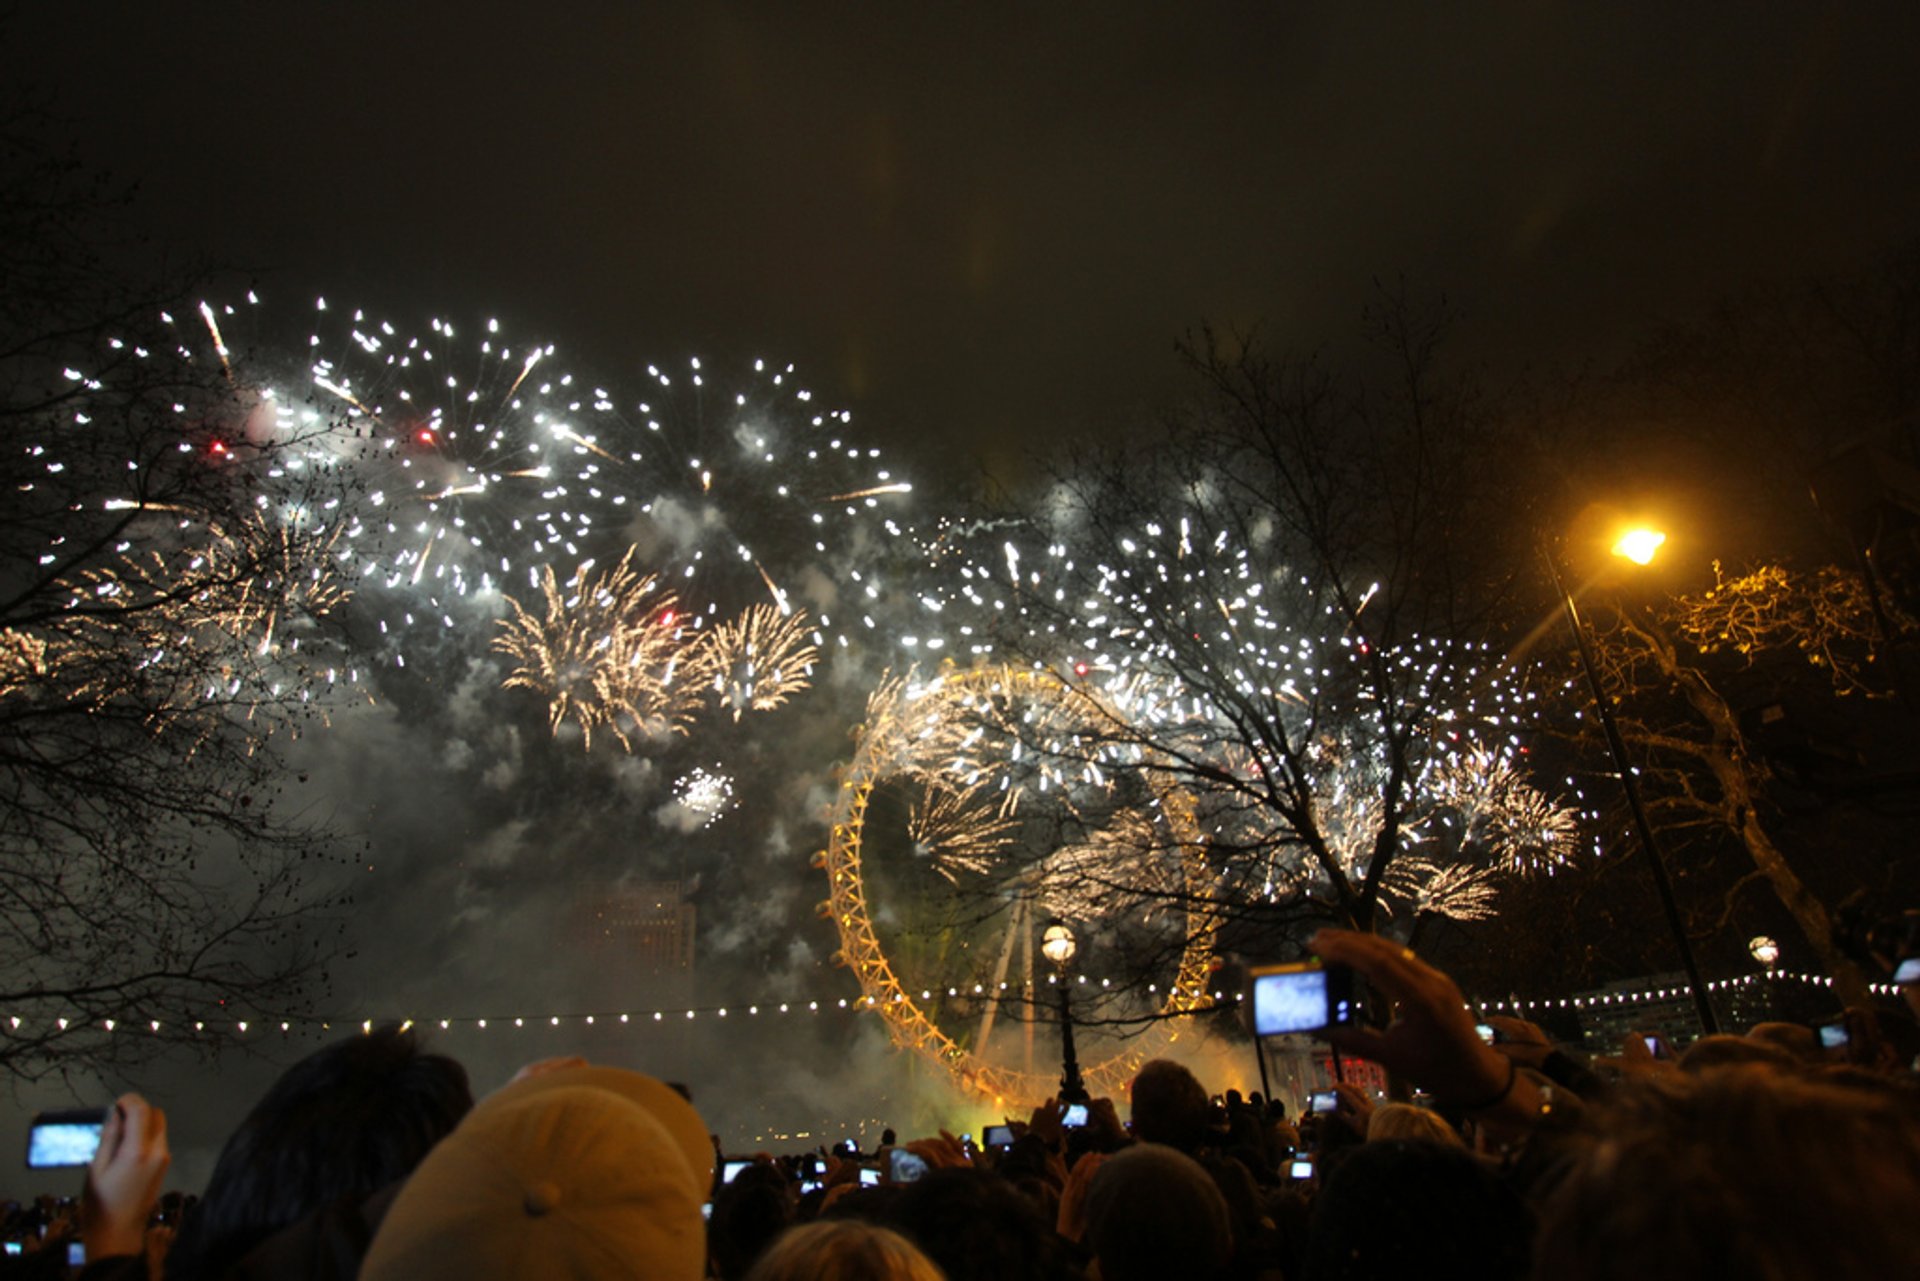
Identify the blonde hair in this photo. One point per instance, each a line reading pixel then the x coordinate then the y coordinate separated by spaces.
pixel 844 1250
pixel 1405 1121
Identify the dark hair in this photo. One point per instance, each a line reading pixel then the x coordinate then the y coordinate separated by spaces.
pixel 1742 1171
pixel 1169 1105
pixel 748 1214
pixel 977 1227
pixel 347 1120
pixel 1412 1207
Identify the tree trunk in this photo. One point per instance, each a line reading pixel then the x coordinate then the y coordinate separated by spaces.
pixel 1726 756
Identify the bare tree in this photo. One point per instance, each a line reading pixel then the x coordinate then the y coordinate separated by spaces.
pixel 1267 615
pixel 163 582
pixel 1679 672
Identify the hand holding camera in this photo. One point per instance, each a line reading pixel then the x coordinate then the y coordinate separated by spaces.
pixel 1431 1040
pixel 123 1182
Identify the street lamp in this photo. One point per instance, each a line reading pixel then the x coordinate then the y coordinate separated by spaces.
pixel 1058 945
pixel 1766 951
pixel 1639 546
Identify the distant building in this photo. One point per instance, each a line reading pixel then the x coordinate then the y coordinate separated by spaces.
pixel 1660 1005
pixel 639 929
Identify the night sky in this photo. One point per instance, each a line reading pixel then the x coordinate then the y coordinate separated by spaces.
pixel 977 232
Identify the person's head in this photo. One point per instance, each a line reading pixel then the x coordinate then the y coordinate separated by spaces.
pixel 347 1120
pixel 748 1214
pixel 1405 1121
pixel 1796 1039
pixel 1738 1172
pixel 976 1226
pixel 1414 1208
pixel 1169 1105
pixel 1153 1212
pixel 846 1250
pixel 888 1138
pixel 1722 1050
pixel 579 1171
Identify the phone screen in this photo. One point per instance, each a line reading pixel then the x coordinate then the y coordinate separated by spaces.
pixel 869 1178
pixel 999 1136
pixel 1301 1168
pixel 1653 1045
pixel 906 1166
pixel 15 1247
pixel 1485 1032
pixel 1323 1101
pixel 1908 971
pixel 1833 1035
pixel 731 1169
pixel 57 1143
pixel 1075 1115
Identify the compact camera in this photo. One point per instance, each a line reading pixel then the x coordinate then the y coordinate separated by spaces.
pixel 1304 997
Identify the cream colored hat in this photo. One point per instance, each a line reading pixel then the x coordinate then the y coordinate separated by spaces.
pixel 584 1172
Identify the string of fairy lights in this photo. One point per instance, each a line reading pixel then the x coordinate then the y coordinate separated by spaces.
pixel 773 1009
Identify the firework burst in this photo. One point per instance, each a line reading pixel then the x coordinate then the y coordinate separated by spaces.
pixel 755 662
pixel 604 653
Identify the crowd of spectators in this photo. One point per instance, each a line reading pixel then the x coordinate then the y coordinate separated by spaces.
pixel 1761 1156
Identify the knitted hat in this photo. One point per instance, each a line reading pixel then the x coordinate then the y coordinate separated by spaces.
pixel 581 1173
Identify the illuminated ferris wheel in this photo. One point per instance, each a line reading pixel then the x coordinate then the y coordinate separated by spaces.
pixel 977 806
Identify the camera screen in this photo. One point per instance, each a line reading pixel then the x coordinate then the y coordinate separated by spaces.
pixel 907 1166
pixel 1908 971
pixel 731 1169
pixel 1323 1101
pixel 1301 1168
pixel 1294 1001
pixel 1833 1035
pixel 63 1143
pixel 999 1136
pixel 1075 1115
pixel 869 1177
pixel 1485 1032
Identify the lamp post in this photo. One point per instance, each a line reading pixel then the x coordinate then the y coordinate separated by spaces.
pixel 1058 945
pixel 1638 546
pixel 1767 952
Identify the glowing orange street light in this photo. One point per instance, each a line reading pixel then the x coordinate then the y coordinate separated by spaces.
pixel 1639 544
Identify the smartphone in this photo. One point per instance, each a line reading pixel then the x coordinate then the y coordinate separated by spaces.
pixel 1322 1101
pixel 811 1185
pixel 1075 1116
pixel 1486 1032
pixel 1301 1167
pixel 76 1255
pixel 1303 997
pixel 16 1247
pixel 731 1167
pixel 904 1166
pixel 1908 971
pixel 64 1138
pixel 1833 1035
pixel 869 1178
pixel 999 1136
pixel 1653 1045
